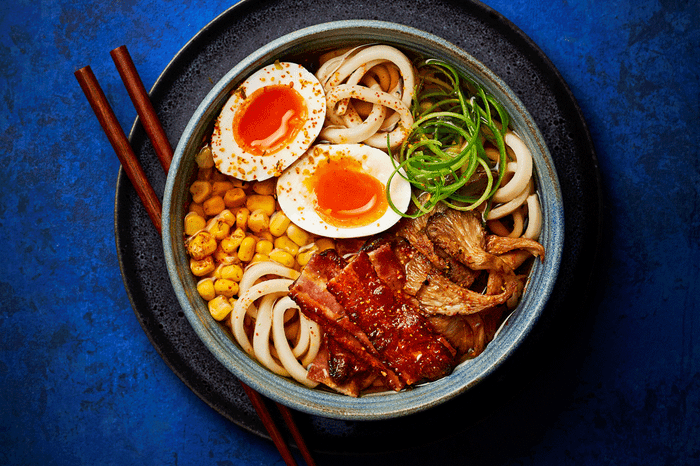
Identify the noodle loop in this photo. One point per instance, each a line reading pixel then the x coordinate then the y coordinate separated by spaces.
pixel 380 75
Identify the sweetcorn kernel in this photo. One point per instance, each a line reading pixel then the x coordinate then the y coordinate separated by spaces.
pixel 205 288
pixel 201 245
pixel 242 218
pixel 193 223
pixel 261 201
pixel 204 158
pixel 247 249
pixel 304 256
pixel 283 242
pixel 219 307
pixel 197 209
pixel 213 206
pixel 231 272
pixel 234 197
pixel 225 287
pixel 257 257
pixel 265 235
pixel 219 229
pixel 265 187
pixel 279 223
pixel 283 257
pixel 228 217
pixel 299 236
pixel 200 191
pixel 258 221
pixel 202 267
pixel 264 246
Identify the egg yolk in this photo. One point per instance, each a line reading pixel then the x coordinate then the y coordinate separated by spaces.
pixel 270 118
pixel 346 196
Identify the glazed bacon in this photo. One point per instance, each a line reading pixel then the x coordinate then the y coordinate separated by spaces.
pixel 401 334
pixel 310 292
pixel 341 370
pixel 372 331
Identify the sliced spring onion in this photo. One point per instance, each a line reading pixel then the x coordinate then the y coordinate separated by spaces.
pixel 453 118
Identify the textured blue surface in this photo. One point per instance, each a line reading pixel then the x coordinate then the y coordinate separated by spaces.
pixel 81 384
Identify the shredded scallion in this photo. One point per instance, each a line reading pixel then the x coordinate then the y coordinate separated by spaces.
pixel 453 119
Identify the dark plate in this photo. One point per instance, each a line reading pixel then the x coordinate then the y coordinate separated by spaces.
pixel 478 30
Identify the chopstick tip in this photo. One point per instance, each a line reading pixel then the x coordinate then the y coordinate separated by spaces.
pixel 121 48
pixel 83 70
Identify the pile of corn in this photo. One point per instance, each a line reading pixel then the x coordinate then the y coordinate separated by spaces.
pixel 231 224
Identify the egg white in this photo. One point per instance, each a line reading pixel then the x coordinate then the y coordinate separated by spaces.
pixel 297 201
pixel 230 158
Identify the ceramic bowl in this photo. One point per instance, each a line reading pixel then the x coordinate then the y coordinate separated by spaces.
pixel 318 401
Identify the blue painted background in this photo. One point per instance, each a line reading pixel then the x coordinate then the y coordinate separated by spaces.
pixel 80 384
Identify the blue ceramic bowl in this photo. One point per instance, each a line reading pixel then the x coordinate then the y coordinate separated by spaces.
pixel 318 401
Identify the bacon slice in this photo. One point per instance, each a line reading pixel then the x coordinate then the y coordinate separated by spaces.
pixel 310 292
pixel 399 332
pixel 340 370
pixel 387 266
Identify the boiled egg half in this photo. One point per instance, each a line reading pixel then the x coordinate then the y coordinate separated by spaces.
pixel 269 121
pixel 339 191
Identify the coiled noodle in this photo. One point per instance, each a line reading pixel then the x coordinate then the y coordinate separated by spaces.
pixel 380 75
pixel 270 345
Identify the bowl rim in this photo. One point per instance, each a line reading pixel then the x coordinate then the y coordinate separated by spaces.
pixel 384 405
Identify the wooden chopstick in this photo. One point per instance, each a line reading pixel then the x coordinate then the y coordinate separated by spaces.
pixel 120 143
pixel 296 434
pixel 144 107
pixel 88 82
pixel 259 404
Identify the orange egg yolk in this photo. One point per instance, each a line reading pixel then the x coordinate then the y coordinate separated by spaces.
pixel 346 196
pixel 270 119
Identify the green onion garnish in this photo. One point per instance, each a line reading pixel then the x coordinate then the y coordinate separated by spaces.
pixel 453 119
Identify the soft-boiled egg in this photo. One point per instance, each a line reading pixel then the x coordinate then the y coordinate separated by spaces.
pixel 269 121
pixel 339 190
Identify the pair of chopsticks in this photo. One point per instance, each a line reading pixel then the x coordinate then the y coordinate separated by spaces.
pixel 134 171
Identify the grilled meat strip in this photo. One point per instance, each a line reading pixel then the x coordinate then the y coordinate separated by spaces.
pixel 401 334
pixel 310 292
pixel 340 370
